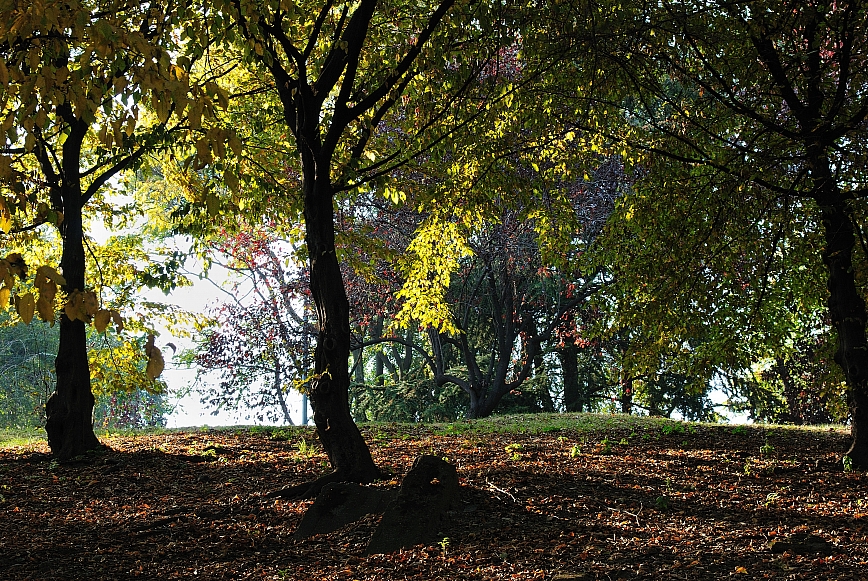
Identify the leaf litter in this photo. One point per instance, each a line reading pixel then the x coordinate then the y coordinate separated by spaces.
pixel 629 502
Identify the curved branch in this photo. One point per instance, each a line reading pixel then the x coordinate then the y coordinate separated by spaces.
pixel 429 360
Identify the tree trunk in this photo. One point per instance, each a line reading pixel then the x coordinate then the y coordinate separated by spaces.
pixel 627 395
pixel 359 366
pixel 847 311
pixel 568 355
pixel 278 391
pixel 478 407
pixel 69 410
pixel 379 367
pixel 329 388
pixel 793 414
pixel 546 401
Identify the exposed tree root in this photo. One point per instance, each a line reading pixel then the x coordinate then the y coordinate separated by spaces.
pixel 307 490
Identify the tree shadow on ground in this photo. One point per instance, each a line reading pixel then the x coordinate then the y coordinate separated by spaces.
pixel 195 509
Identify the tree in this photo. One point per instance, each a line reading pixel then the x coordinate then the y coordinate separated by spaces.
pixel 506 305
pixel 797 385
pixel 265 330
pixel 125 396
pixel 339 70
pixel 584 374
pixel 75 80
pixel 752 116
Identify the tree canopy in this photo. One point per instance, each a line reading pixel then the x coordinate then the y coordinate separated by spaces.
pixel 750 118
pixel 665 194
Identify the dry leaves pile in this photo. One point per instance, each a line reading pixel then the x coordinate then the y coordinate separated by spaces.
pixel 631 501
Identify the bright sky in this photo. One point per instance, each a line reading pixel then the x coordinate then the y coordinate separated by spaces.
pixel 189 410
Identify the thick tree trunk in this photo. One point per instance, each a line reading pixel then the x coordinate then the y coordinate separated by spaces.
pixel 475 411
pixel 568 356
pixel 69 411
pixel 847 311
pixel 329 389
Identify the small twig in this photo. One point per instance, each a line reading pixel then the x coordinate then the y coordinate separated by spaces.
pixel 634 515
pixel 501 490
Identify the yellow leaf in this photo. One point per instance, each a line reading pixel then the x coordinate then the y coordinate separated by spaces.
pixel 90 302
pixel 101 320
pixel 103 135
pixel 178 72
pixel 219 146
pixel 212 204
pixel 118 321
pixel 51 274
pixel 235 145
pixel 47 291
pixel 194 115
pixel 16 265
pixel 222 98
pixel 5 218
pixel 130 126
pixel 45 308
pixel 203 151
pixel 162 108
pixel 74 307
pixel 26 306
pixel 156 364
pixel 4 297
pixel 231 180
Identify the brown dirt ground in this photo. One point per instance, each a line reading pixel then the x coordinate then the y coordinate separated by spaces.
pixel 696 502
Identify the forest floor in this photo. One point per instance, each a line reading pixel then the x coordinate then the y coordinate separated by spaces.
pixel 566 497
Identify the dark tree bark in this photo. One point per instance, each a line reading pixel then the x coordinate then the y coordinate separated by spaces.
pixel 69 410
pixel 568 355
pixel 329 389
pixel 846 306
pixel 627 396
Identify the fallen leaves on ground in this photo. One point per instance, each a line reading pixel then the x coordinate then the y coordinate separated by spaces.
pixel 699 502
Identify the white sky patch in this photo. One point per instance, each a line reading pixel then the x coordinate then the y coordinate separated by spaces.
pixel 203 295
